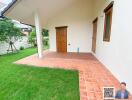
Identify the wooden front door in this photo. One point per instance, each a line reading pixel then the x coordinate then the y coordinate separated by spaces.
pixel 61 39
pixel 94 35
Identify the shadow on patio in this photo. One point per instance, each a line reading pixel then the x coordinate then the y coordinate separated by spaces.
pixel 93 76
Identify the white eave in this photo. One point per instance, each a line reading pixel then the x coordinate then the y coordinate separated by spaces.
pixel 1 5
pixel 23 10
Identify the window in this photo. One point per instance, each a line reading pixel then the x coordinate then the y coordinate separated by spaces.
pixel 108 22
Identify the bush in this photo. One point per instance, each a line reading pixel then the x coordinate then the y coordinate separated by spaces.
pixel 21 48
pixel 46 41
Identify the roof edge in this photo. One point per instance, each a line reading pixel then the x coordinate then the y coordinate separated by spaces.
pixel 8 7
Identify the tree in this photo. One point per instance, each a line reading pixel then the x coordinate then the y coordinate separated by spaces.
pixel 9 32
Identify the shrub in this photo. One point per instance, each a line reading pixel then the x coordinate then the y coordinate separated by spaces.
pixel 21 48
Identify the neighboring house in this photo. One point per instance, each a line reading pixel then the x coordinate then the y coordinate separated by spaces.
pixel 25 29
pixel 101 27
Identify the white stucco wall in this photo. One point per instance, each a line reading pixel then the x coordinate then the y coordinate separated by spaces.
pixel 22 42
pixel 78 18
pixel 116 54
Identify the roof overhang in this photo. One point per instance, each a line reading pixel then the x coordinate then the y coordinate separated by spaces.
pixel 23 10
pixel 1 5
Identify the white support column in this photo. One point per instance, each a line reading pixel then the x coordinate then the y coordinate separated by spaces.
pixel 38 35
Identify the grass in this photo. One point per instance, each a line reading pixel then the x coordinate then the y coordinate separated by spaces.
pixel 21 82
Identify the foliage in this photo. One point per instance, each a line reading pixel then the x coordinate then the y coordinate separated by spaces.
pixel 8 31
pixel 45 32
pixel 46 41
pixel 32 37
pixel 21 48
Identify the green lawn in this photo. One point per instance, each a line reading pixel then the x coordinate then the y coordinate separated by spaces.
pixel 21 82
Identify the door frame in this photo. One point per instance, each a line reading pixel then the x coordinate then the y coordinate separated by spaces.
pixel 94 37
pixel 57 38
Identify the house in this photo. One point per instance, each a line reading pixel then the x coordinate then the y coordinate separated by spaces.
pixel 102 27
pixel 25 29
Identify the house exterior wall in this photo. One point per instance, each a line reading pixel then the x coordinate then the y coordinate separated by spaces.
pixel 78 18
pixel 22 42
pixel 116 54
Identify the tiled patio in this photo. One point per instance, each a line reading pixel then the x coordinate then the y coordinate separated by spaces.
pixel 93 76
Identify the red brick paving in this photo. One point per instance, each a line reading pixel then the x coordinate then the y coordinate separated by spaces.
pixel 93 76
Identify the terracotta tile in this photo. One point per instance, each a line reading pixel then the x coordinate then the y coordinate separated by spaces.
pixel 83 98
pixel 93 75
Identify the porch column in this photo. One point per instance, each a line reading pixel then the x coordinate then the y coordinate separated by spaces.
pixel 38 35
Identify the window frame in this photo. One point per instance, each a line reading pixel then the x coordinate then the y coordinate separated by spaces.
pixel 108 12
